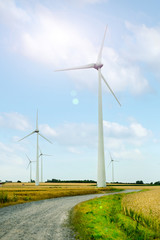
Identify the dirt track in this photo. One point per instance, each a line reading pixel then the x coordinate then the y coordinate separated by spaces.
pixel 41 220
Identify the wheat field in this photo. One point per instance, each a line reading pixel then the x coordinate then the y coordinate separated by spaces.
pixel 144 207
pixel 15 193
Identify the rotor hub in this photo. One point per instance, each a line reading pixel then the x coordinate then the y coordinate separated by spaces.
pixel 98 66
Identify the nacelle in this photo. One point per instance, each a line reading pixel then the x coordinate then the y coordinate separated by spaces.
pixel 97 66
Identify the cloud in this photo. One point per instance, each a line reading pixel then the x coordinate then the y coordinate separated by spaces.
pixel 138 130
pixel 13 161
pixel 52 37
pixel 80 140
pixel 122 74
pixel 14 120
pixel 91 1
pixel 134 130
pixel 10 154
pixel 143 43
pixel 81 135
pixel 134 154
pixel 83 3
pixel 118 136
pixel 47 130
pixel 73 150
pixel 11 14
pixel 3 147
pixel 72 134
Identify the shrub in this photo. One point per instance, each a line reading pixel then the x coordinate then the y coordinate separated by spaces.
pixel 3 197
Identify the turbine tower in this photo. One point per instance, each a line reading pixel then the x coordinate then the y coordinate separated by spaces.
pixel 37 160
pixel 41 156
pixel 112 161
pixel 101 176
pixel 30 164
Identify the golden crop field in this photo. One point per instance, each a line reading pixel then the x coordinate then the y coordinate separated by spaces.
pixel 144 206
pixel 140 187
pixel 14 193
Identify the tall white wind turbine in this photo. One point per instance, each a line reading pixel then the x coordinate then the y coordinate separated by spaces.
pixel 41 156
pixel 30 164
pixel 112 161
pixel 101 176
pixel 37 160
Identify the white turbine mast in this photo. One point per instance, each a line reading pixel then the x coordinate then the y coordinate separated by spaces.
pixel 101 176
pixel 112 161
pixel 30 164
pixel 41 156
pixel 37 160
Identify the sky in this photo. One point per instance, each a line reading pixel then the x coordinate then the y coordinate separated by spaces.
pixel 38 37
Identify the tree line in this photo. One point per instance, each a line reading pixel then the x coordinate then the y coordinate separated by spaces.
pixel 69 181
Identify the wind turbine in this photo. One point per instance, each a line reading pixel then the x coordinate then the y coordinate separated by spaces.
pixel 112 161
pixel 101 176
pixel 37 160
pixel 30 164
pixel 41 156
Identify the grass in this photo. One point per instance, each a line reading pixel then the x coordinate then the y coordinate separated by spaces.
pixel 104 218
pixel 15 193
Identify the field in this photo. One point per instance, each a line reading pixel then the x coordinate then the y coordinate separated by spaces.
pixel 144 207
pixel 132 186
pixel 15 193
pixel 124 216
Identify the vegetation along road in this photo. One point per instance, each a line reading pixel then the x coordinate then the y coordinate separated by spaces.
pixel 42 220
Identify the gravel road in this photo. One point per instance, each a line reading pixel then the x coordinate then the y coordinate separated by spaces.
pixel 41 220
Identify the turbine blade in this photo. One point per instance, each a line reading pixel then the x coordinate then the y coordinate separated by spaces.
pixel 110 156
pixel 100 52
pixel 109 164
pixel 76 68
pixel 45 138
pixel 47 155
pixel 37 120
pixel 26 136
pixel 28 165
pixel 110 89
pixel 29 161
pixel 28 158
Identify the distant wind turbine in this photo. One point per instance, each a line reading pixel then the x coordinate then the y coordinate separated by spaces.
pixel 101 176
pixel 30 164
pixel 112 161
pixel 37 160
pixel 41 156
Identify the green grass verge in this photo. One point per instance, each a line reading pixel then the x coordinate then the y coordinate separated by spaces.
pixel 104 218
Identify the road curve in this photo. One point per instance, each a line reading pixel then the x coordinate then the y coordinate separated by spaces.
pixel 41 220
